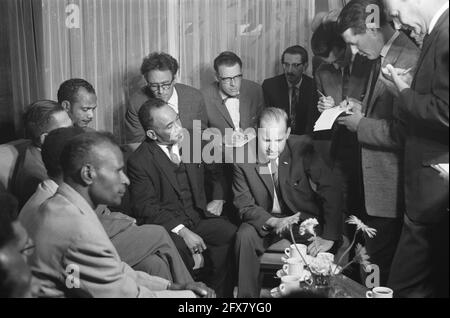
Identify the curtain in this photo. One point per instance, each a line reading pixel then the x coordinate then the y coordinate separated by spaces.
pixel 114 35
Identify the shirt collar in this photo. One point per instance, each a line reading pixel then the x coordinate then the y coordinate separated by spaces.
pixel 225 97
pixel 437 16
pixel 388 45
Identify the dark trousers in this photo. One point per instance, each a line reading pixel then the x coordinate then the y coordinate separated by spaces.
pixel 382 247
pixel 420 268
pixel 218 235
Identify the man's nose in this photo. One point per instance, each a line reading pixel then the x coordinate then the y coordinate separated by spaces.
pixel 125 179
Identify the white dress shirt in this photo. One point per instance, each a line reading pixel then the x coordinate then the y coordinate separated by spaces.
pixel 233 107
pixel 437 16
pixel 173 101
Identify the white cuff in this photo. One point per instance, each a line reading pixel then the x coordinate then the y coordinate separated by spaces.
pixel 178 229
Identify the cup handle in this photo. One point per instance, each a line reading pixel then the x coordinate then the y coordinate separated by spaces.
pixel 286 268
pixel 369 294
pixel 287 251
pixel 282 288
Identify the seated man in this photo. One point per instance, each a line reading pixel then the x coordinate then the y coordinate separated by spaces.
pixel 160 71
pixel 74 256
pixel 169 192
pixel 146 248
pixel 15 275
pixel 269 193
pixel 79 100
pixel 39 119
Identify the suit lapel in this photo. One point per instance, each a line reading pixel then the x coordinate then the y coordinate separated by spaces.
pixel 218 102
pixel 191 171
pixel 244 109
pixel 165 165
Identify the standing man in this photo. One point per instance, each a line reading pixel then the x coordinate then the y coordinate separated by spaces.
pixel 421 267
pixel 293 91
pixel 79 100
pixel 167 191
pixel 160 71
pixel 269 194
pixel 378 124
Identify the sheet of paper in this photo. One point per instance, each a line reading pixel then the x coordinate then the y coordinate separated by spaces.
pixel 442 168
pixel 328 117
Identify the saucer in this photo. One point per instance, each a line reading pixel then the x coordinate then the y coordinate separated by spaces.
pixel 306 275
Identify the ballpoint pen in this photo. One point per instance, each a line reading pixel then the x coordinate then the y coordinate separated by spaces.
pixel 406 71
pixel 321 94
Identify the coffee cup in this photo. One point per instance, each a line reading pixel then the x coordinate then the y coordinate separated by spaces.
pixel 293 253
pixel 289 284
pixel 294 267
pixel 380 292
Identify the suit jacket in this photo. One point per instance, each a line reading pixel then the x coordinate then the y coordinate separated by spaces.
pixel 251 102
pixel 191 107
pixel 154 189
pixel 329 81
pixel 381 135
pixel 276 94
pixel 70 239
pixel 30 171
pixel 426 104
pixel 299 168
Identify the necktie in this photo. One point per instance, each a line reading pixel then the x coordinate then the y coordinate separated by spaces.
pixel 345 81
pixel 294 102
pixel 173 156
pixel 274 169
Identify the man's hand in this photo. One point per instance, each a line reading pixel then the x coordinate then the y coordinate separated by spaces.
pixel 279 225
pixel 215 207
pixel 199 289
pixel 325 103
pixel 396 79
pixel 193 241
pixel 351 121
pixel 351 105
pixel 319 245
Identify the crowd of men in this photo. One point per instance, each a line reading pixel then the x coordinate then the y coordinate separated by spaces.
pixel 91 222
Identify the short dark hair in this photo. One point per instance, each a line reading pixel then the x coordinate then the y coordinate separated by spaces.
pixel 273 113
pixel 54 145
pixel 68 91
pixel 354 16
pixel 296 50
pixel 38 116
pixel 159 61
pixel 326 38
pixel 228 59
pixel 79 151
pixel 145 112
pixel 8 214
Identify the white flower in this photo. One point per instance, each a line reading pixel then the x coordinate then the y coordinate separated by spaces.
pixel 360 226
pixel 307 226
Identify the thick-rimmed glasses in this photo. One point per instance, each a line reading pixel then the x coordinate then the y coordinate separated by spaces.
pixel 229 80
pixel 160 86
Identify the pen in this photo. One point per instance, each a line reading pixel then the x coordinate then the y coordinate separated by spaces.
pixel 321 94
pixel 406 71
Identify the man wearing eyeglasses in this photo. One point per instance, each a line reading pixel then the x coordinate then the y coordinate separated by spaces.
pixel 293 91
pixel 160 71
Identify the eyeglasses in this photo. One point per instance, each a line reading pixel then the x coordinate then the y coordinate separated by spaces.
pixel 294 65
pixel 228 80
pixel 160 86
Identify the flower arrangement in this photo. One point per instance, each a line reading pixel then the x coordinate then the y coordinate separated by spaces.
pixel 323 266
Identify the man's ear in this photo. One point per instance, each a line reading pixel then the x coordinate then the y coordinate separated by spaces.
pixel 88 174
pixel 216 77
pixel 66 105
pixel 42 138
pixel 151 134
pixel 288 133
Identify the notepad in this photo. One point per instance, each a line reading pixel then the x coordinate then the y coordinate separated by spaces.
pixel 328 117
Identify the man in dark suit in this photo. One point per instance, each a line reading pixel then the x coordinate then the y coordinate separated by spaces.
pixel 379 127
pixel 270 192
pixel 293 91
pixel 423 250
pixel 169 190
pixel 160 71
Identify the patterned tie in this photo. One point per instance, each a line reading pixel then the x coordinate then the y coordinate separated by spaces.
pixel 294 102
pixel 173 156
pixel 274 169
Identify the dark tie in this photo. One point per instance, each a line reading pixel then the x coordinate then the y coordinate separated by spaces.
pixel 345 81
pixel 173 156
pixel 376 73
pixel 274 169
pixel 294 102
